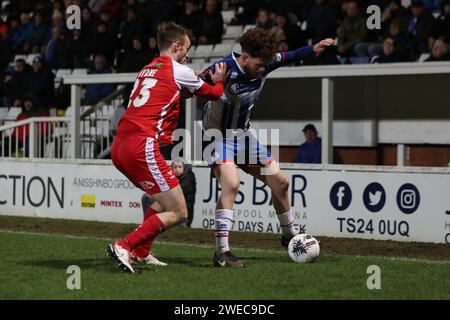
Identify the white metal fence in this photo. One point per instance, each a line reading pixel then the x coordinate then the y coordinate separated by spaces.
pixel 39 137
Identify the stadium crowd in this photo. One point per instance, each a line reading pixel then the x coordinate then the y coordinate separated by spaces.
pixel 119 35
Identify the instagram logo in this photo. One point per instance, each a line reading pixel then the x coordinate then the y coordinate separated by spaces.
pixel 408 198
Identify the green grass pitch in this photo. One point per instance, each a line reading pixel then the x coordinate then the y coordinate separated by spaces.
pixel 33 266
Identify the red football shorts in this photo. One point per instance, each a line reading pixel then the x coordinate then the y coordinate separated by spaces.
pixel 140 160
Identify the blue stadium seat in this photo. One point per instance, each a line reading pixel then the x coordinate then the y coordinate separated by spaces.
pixel 359 60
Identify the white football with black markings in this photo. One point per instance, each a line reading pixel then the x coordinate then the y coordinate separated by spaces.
pixel 303 248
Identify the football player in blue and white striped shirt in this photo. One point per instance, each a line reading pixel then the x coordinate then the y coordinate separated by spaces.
pixel 229 118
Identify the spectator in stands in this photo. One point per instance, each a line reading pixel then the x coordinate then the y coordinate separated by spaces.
pixel 57 55
pixel 443 22
pixel 41 83
pixel 96 4
pixel 311 150
pixel 88 22
pixel 210 24
pixel 35 38
pixel 283 46
pixel 134 59
pixel 79 47
pixel 321 21
pixel 96 92
pixel 352 29
pixel 421 27
pixel 17 83
pixel 133 27
pixel 247 11
pixel 153 50
pixel 190 17
pixel 58 5
pixel 263 19
pixel 21 133
pixel 388 53
pixel 21 33
pixel 114 7
pixel 394 11
pixel 439 52
pixel 397 34
pixel 57 22
pixel 5 51
pixel 292 34
pixel 111 23
pixel 432 5
pixel 188 184
pixel 102 43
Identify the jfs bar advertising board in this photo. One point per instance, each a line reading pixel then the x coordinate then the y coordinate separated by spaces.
pixel 360 204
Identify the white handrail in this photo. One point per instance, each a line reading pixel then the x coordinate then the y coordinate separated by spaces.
pixel 388 69
pixel 34 120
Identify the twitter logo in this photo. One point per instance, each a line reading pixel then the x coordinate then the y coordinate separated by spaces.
pixel 374 197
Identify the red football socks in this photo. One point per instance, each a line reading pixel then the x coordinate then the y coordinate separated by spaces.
pixel 143 250
pixel 148 230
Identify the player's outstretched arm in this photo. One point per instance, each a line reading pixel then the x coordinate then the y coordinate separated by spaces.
pixel 283 58
pixel 214 92
pixel 321 45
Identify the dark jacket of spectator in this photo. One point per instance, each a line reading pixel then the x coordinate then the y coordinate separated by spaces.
pixel 5 51
pixel 96 92
pixel 133 27
pixel 17 84
pixel 443 24
pixel 293 35
pixel 88 22
pixel 41 83
pixel 309 152
pixel 321 22
pixel 113 6
pixel 57 55
pixel 397 12
pixel 102 43
pixel 352 31
pixel 38 32
pixel 189 186
pixel 190 16
pixel 210 27
pixel 20 34
pixel 421 28
pixel 79 47
pixel 134 59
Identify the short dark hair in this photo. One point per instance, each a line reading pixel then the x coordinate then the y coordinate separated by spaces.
pixel 170 32
pixel 258 43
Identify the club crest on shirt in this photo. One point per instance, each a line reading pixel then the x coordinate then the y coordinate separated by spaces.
pixel 146 185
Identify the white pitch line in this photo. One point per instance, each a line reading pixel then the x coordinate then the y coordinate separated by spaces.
pixel 206 246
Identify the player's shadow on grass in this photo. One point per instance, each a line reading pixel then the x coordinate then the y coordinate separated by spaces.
pixel 191 262
pixel 98 264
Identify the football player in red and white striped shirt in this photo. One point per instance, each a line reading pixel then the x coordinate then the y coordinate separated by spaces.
pixel 150 118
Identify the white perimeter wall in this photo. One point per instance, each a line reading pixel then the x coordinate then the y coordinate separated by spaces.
pixel 384 204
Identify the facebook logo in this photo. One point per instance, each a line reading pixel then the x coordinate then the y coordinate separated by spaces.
pixel 340 196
